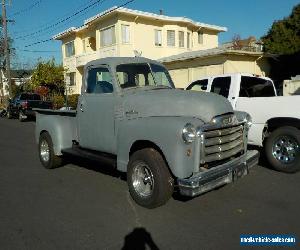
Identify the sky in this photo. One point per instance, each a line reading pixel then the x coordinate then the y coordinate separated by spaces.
pixel 36 20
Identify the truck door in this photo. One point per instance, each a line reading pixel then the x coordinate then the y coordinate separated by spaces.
pixel 96 111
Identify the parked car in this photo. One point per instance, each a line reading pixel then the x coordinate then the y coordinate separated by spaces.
pixel 276 119
pixel 131 115
pixel 23 104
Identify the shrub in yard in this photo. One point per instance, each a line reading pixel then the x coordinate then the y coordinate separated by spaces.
pixel 73 100
pixel 58 101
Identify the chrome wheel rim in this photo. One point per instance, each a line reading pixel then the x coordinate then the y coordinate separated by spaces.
pixel 285 149
pixel 142 180
pixel 45 151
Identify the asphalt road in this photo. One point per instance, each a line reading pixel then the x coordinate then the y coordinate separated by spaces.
pixel 83 205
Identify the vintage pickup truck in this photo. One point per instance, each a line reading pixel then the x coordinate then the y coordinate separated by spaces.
pixel 275 119
pixel 130 114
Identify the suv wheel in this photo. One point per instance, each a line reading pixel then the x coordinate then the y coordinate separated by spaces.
pixel 9 115
pixel 46 153
pixel 149 180
pixel 283 149
pixel 21 116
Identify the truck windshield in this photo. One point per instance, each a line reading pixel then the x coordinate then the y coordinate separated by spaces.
pixel 143 75
pixel 256 87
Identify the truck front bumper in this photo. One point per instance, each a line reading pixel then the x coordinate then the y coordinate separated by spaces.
pixel 217 176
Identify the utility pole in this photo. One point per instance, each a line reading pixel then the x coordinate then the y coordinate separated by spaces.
pixel 6 47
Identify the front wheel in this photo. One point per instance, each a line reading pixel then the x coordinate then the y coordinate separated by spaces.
pixel 46 153
pixel 9 114
pixel 149 180
pixel 282 149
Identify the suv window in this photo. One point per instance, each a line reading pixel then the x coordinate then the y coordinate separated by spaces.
pixel 200 85
pixel 99 81
pixel 256 87
pixel 221 86
pixel 30 97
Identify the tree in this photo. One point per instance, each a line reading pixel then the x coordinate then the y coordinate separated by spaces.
pixel 48 74
pixel 284 35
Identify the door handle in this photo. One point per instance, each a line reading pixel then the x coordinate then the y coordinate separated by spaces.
pixel 81 107
pixel 131 112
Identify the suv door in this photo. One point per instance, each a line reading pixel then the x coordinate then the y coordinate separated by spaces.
pixel 96 111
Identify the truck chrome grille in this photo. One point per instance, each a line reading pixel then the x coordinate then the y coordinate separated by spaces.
pixel 220 144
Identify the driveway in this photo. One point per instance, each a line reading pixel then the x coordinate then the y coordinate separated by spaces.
pixel 85 205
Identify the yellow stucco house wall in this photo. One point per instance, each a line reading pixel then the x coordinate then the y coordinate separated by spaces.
pixel 190 66
pixel 127 32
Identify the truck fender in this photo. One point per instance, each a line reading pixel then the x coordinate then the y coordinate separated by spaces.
pixel 165 134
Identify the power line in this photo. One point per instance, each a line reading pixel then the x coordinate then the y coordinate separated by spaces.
pixel 52 20
pixel 63 20
pixel 56 27
pixel 30 7
pixel 40 51
pixel 42 41
pixel 51 39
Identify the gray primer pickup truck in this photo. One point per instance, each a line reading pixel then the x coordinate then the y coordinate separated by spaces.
pixel 130 114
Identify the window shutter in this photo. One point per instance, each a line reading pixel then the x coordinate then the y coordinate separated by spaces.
pixel 181 38
pixel 125 33
pixel 158 38
pixel 171 37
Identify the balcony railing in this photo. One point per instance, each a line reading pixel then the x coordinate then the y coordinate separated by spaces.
pixel 83 59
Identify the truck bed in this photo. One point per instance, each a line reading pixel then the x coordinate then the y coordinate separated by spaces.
pixel 56 112
pixel 60 124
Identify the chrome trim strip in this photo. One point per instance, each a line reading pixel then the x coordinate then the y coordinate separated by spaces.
pixel 205 181
pixel 223 147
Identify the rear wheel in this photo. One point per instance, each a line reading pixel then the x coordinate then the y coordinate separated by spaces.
pixel 149 180
pixel 283 149
pixel 46 153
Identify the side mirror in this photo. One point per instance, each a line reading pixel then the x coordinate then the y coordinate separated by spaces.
pixel 204 87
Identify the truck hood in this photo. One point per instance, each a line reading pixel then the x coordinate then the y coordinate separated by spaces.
pixel 175 102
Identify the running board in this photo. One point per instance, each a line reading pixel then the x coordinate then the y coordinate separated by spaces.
pixel 91 154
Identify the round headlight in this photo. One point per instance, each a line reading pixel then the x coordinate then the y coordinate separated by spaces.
pixel 188 133
pixel 248 120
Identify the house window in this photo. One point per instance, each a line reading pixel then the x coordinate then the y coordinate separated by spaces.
pixel 71 79
pixel 181 38
pixel 158 37
pixel 171 38
pixel 69 49
pixel 188 40
pixel 200 37
pixel 107 36
pixel 83 46
pixel 125 33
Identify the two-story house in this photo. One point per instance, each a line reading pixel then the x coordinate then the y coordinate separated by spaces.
pixel 127 32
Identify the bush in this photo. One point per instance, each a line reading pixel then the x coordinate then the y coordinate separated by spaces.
pixel 73 100
pixel 58 101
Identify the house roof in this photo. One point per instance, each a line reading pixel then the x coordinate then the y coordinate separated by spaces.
pixel 18 73
pixel 117 9
pixel 206 53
